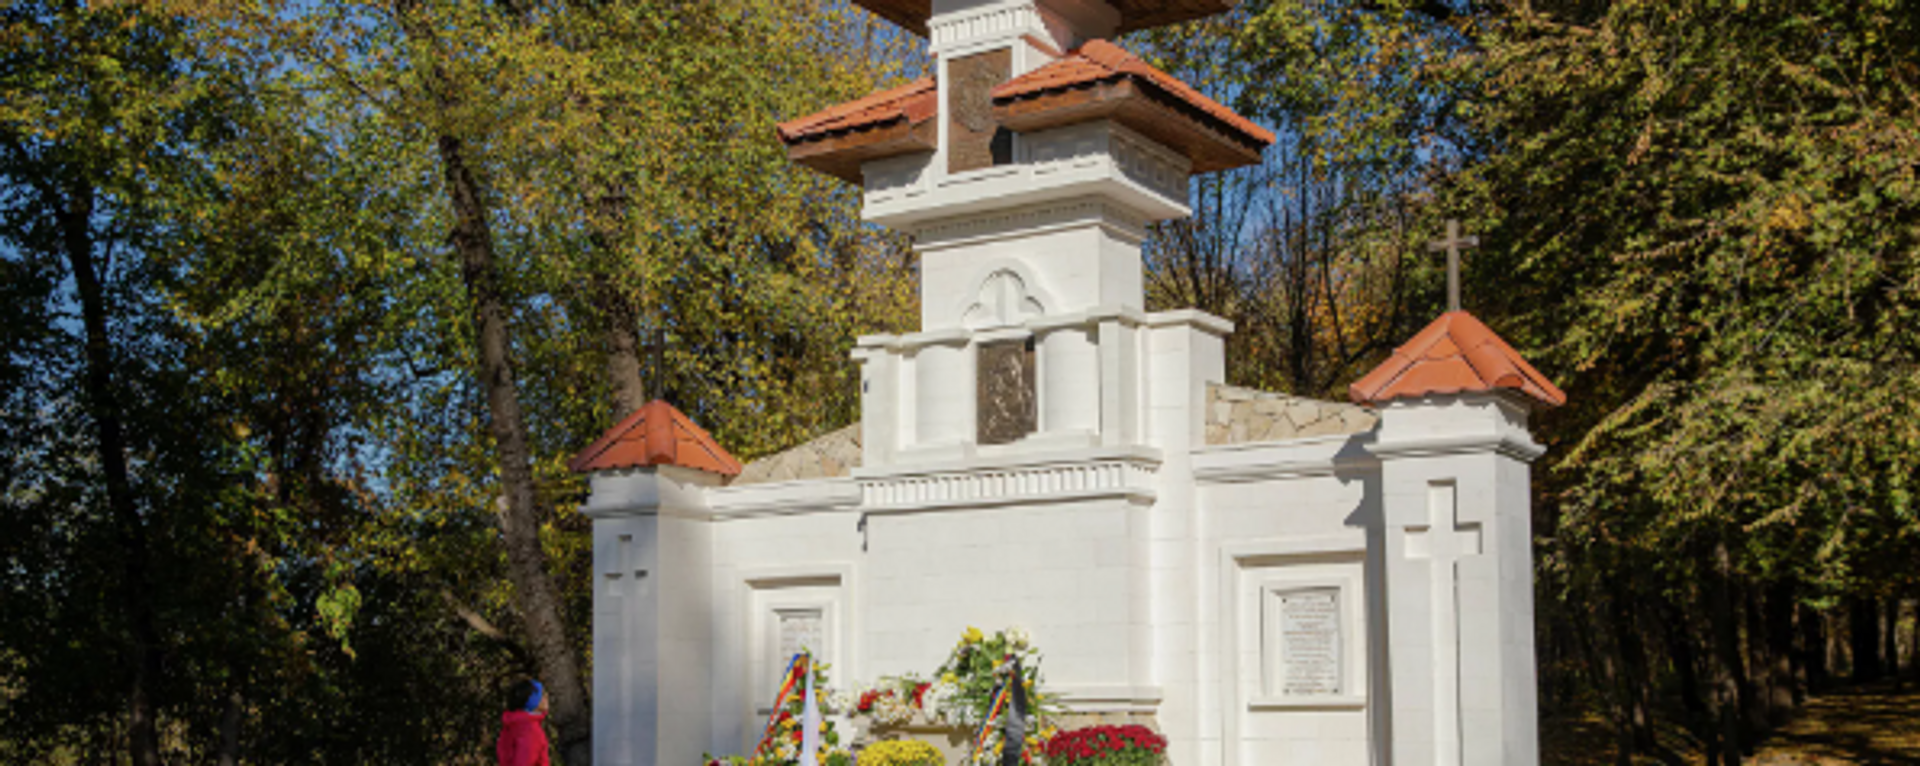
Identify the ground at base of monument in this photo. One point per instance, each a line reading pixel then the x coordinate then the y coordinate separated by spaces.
pixel 1865 725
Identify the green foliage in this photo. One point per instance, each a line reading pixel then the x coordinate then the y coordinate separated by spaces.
pixel 294 357
pixel 1316 254
pixel 1707 219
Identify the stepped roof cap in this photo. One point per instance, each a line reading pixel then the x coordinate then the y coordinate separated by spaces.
pixel 1101 79
pixel 655 434
pixel 1455 354
pixel 838 139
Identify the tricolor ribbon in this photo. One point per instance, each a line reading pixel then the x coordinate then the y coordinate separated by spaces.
pixel 993 714
pixel 780 701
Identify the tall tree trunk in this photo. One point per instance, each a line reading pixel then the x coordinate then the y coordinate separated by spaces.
pixel 623 351
pixel 1890 638
pixel 230 718
pixel 1780 687
pixel 1759 662
pixel 1678 631
pixel 1863 613
pixel 75 218
pixel 619 312
pixel 472 238
pixel 1634 675
pixel 1913 642
pixel 1836 647
pixel 1729 674
pixel 534 592
pixel 1813 650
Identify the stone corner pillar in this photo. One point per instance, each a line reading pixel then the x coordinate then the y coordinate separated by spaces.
pixel 1454 472
pixel 652 637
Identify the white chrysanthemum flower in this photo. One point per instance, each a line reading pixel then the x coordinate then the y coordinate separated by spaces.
pixel 891 709
pixel 841 701
pixel 937 696
pixel 1018 637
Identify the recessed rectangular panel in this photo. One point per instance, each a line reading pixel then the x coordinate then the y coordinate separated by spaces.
pixel 975 139
pixel 1007 406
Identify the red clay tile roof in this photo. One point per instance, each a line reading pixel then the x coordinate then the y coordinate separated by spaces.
pixel 1099 61
pixel 1455 354
pixel 912 103
pixel 655 434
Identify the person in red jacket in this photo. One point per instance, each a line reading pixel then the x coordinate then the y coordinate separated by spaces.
pixel 523 742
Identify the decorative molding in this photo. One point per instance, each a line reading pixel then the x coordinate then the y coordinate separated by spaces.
pixel 1336 702
pixel 1278 461
pixel 790 498
pixel 1517 446
pixel 1003 298
pixel 1109 699
pixel 1130 476
pixel 1191 318
pixel 894 178
pixel 1144 162
pixel 1027 221
pixel 946 30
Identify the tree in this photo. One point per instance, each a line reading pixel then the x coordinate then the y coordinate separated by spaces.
pixel 1704 217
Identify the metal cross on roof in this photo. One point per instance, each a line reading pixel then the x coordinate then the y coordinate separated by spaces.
pixel 1452 245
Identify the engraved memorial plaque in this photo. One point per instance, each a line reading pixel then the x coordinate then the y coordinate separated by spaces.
pixel 1310 643
pixel 799 629
pixel 1007 406
pixel 974 139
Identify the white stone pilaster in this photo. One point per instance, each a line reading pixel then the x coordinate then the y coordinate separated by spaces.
pixel 1458 584
pixel 652 638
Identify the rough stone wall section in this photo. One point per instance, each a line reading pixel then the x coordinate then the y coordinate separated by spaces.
pixel 835 454
pixel 1241 415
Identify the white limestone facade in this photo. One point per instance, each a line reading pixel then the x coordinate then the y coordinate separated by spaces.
pixel 1354 592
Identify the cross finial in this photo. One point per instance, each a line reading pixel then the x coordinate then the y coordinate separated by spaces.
pixel 1452 245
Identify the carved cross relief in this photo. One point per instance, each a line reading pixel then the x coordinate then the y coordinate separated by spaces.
pixel 1002 301
pixel 1443 542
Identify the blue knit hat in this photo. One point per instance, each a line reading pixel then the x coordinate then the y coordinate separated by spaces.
pixel 533 700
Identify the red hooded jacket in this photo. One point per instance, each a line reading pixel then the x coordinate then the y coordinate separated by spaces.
pixel 522 741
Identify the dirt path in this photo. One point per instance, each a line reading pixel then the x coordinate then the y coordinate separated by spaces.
pixel 1867 725
pixel 1864 726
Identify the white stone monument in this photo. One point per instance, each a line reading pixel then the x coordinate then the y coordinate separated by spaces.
pixel 1262 578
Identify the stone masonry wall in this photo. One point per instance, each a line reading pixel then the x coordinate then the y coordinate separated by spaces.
pixel 1241 415
pixel 835 454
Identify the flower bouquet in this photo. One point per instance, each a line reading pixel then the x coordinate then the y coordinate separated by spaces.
pixel 780 746
pixel 1129 745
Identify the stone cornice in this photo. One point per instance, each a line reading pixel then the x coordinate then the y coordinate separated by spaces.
pixel 1039 477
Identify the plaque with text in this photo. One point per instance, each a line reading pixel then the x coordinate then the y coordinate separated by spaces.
pixel 1310 643
pixel 1007 403
pixel 799 629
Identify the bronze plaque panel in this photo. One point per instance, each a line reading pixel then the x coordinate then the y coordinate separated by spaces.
pixel 974 139
pixel 1007 405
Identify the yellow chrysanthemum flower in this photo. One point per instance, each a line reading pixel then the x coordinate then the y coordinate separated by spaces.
pixel 974 635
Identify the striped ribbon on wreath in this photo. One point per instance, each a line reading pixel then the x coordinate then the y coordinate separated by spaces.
pixel 794 668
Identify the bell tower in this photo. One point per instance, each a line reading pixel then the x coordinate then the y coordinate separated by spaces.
pixel 1026 169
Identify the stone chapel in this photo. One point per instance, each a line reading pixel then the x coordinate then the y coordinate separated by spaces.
pixel 1262 578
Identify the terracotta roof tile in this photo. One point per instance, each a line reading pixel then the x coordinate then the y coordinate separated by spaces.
pixel 1099 61
pixel 655 434
pixel 1455 354
pixel 912 103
